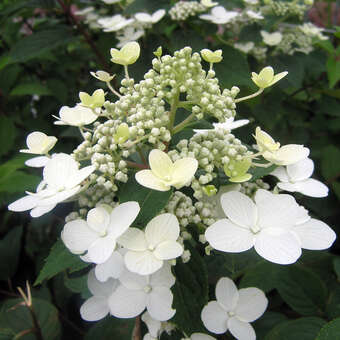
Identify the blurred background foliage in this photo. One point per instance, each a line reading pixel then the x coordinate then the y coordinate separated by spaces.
pixel 46 55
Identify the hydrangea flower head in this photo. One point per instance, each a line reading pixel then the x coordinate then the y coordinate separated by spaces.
pixel 127 55
pixel 266 77
pixel 234 309
pixel 164 173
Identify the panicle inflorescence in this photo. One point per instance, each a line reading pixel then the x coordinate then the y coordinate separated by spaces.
pixel 182 10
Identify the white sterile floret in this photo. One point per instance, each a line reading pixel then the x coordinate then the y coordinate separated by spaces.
pixel 296 178
pixel 102 76
pixel 75 116
pixel 164 173
pixel 146 18
pixel 254 15
pixel 234 309
pixel 229 125
pixel 127 55
pixel 271 39
pixel 115 23
pixel 129 34
pixel 61 180
pixel 110 2
pixel 245 47
pixel 39 143
pixel 148 250
pixel 97 306
pixel 272 152
pixel 154 327
pixel 199 336
pixel 112 268
pixel 219 15
pixel 98 234
pixel 266 77
pixel 137 292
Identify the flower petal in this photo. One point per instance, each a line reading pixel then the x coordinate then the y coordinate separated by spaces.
pixel 113 267
pixel 315 235
pixel 164 227
pixel 281 249
pixel 98 219
pixel 133 239
pixel 226 293
pixel 288 154
pixel 183 171
pixel 127 303
pixel 163 277
pixel 77 236
pixel 142 262
pixel 122 217
pixel 226 236
pixel 276 210
pixel 94 308
pixel 309 187
pixel 154 326
pixel 25 203
pixel 241 330
pixel 79 176
pixel 147 179
pixel 239 208
pixel 41 210
pixel 280 173
pixel 133 281
pixel 301 170
pixel 252 303
pixel 159 304
pixel 37 162
pixel 160 163
pixel 201 336
pixel 98 288
pixel 100 250
pixel 214 318
pixel 58 197
pixel 168 250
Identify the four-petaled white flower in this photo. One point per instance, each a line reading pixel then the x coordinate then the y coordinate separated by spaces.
pixel 229 125
pixel 146 18
pixel 61 180
pixel 127 55
pixel 39 143
pixel 296 178
pixel 245 47
pixel 75 116
pixel 271 39
pixel 97 306
pixel 164 173
pixel 115 23
pixel 137 292
pixel 148 250
pixel 219 15
pixel 266 77
pixel 129 34
pixel 234 309
pixel 98 234
pixel 272 152
pixel 273 225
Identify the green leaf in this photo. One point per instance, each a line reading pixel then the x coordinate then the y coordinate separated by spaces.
pixel 35 45
pixel 17 181
pixel 333 302
pixel 259 172
pixel 190 292
pixel 331 331
pixel 111 328
pixel 300 329
pixel 6 334
pixel 326 45
pixel 76 284
pixel 59 260
pixel 151 202
pixel 15 315
pixel 238 72
pixel 7 134
pixel 9 252
pixel 266 322
pixel 336 265
pixel 330 168
pixel 31 89
pixel 302 290
pixel 333 70
pixel 263 276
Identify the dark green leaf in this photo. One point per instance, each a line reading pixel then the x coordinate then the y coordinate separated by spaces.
pixel 331 331
pixel 329 167
pixel 266 322
pixel 6 334
pixel 59 259
pixel 151 201
pixel 300 329
pixel 76 284
pixel 31 89
pixel 302 290
pixel 34 45
pixel 336 264
pixel 17 181
pixel 333 70
pixel 15 315
pixel 7 134
pixel 9 253
pixel 259 172
pixel 111 328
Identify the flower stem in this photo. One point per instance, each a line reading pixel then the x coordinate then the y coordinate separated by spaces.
pixel 250 96
pixel 183 124
pixel 172 113
pixel 113 90
pixel 126 72
pixel 136 165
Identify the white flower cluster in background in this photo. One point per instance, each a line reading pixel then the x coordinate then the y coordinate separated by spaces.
pixel 213 197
